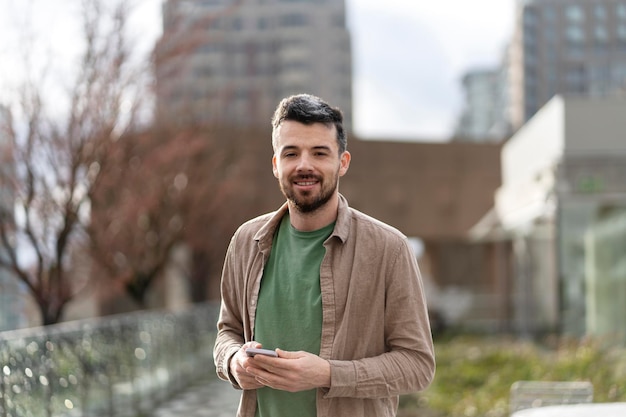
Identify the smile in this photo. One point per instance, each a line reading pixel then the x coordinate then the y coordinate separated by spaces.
pixel 306 183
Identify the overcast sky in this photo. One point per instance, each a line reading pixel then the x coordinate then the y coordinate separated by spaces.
pixel 408 55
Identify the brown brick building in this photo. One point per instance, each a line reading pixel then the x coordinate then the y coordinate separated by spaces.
pixel 437 192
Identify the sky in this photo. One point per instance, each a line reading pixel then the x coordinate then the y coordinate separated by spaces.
pixel 408 55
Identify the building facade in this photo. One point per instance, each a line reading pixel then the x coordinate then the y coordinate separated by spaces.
pixel 567 47
pixel 231 61
pixel 572 48
pixel 562 203
pixel 483 111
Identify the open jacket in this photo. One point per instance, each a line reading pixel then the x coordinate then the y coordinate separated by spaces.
pixel 375 328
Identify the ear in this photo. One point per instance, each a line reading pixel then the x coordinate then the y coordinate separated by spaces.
pixel 274 167
pixel 344 163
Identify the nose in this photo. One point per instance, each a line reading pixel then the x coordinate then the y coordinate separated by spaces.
pixel 304 163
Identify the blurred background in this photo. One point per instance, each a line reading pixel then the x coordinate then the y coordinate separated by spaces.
pixel 135 138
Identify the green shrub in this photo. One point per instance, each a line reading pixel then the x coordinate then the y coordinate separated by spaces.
pixel 474 374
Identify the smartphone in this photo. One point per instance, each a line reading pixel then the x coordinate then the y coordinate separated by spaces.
pixel 266 352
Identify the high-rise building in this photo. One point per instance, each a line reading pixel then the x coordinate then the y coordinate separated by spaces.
pixel 574 48
pixel 231 61
pixel 482 115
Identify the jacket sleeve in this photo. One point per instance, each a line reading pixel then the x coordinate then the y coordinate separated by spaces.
pixel 230 332
pixel 408 362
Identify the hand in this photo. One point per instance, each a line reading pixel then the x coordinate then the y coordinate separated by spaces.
pixel 238 364
pixel 291 371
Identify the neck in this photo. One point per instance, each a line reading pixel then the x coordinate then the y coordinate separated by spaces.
pixel 323 216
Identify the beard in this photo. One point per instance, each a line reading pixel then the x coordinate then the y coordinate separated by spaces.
pixel 307 201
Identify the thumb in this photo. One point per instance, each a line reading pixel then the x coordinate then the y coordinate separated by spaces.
pixel 287 354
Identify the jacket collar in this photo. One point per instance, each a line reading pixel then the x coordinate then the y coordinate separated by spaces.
pixel 265 235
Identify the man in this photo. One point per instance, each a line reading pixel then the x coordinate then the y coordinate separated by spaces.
pixel 335 293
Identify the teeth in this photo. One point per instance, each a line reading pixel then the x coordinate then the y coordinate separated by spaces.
pixel 306 183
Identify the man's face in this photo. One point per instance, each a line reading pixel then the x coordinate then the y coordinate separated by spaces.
pixel 307 163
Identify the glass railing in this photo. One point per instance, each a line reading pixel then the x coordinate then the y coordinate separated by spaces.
pixel 114 366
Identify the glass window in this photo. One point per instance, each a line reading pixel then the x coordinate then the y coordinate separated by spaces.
pixel 208 48
pixel 237 23
pixel 618 75
pixel 298 66
pixel 530 17
pixel 599 11
pixel 210 5
pixel 575 80
pixel 549 34
pixel 575 50
pixel 599 77
pixel 574 34
pixel 292 43
pixel 262 23
pixel 293 20
pixel 575 13
pixel 600 34
pixel 530 42
pixel 549 13
pixel 552 86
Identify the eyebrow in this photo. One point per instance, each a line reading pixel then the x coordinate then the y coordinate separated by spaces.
pixel 291 147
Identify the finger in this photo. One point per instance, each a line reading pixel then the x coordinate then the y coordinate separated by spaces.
pixel 251 344
pixel 254 367
pixel 272 381
pixel 287 354
pixel 251 383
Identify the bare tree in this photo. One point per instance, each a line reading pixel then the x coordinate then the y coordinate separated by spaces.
pixel 57 157
pixel 147 204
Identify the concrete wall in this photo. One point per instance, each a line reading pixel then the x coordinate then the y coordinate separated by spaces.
pixel 595 127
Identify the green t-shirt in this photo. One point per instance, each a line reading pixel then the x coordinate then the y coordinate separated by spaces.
pixel 289 311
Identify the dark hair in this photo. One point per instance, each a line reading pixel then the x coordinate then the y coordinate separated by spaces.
pixel 309 109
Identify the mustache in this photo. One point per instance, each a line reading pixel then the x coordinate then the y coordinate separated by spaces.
pixel 305 177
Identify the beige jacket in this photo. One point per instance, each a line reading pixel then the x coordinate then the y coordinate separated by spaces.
pixel 375 329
